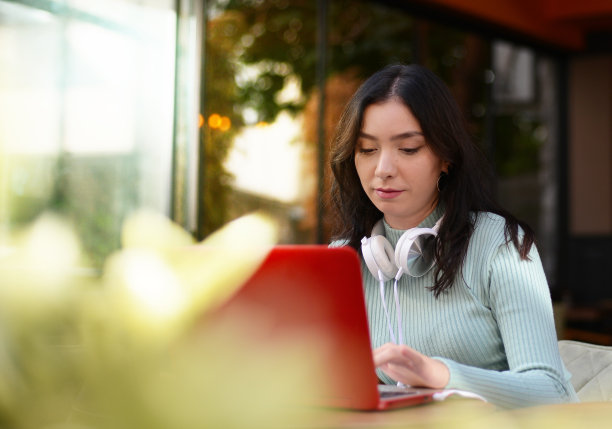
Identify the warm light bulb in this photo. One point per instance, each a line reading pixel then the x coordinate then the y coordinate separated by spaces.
pixel 225 124
pixel 214 120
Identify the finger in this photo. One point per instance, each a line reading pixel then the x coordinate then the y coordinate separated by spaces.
pixel 401 374
pixel 397 372
pixel 394 355
pixel 383 350
pixel 387 354
pixel 384 347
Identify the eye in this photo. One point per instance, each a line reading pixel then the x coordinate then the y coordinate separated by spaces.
pixel 409 151
pixel 365 150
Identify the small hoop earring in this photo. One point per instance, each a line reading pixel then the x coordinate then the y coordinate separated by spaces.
pixel 441 181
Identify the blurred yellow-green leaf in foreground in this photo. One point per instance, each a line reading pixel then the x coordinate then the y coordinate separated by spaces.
pixel 128 348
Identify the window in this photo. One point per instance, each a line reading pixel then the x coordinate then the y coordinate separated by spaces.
pixel 261 67
pixel 87 100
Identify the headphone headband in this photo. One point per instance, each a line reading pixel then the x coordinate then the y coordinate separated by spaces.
pixel 413 252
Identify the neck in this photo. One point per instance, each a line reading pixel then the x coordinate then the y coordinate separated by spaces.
pixel 411 221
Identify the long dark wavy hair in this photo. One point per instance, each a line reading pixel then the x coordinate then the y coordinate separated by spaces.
pixel 467 189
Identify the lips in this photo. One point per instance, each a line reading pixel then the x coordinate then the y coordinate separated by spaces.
pixel 387 193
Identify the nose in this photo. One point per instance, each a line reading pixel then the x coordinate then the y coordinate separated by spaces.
pixel 385 167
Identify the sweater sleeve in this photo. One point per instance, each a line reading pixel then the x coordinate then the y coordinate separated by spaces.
pixel 520 301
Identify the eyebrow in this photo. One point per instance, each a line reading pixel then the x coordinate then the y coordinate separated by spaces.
pixel 406 135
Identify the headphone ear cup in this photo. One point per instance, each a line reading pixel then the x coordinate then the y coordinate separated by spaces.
pixel 414 251
pixel 378 254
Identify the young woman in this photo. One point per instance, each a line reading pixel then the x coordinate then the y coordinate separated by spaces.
pixel 481 318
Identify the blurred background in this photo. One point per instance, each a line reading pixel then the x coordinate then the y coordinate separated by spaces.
pixel 206 110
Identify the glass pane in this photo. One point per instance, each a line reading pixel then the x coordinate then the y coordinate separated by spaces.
pixel 261 78
pixel 525 142
pixel 86 101
pixel 259 69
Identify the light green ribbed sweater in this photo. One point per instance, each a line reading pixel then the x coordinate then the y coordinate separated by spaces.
pixel 494 328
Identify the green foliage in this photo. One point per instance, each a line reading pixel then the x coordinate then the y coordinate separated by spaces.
pixel 220 95
pixel 95 192
pixel 516 146
pixel 254 48
pixel 281 42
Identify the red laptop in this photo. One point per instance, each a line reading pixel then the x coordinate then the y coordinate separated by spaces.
pixel 314 288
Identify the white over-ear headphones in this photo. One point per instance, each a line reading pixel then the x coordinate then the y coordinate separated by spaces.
pixel 413 254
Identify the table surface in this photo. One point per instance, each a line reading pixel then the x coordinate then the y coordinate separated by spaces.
pixel 467 413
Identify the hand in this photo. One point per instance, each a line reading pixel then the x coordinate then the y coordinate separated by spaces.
pixel 410 367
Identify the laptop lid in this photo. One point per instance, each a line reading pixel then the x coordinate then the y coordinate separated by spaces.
pixel 316 292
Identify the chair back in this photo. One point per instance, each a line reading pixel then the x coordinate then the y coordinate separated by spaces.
pixel 591 368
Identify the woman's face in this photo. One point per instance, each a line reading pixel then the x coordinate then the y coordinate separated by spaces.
pixel 397 169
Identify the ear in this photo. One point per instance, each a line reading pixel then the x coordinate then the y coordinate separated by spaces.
pixel 445 166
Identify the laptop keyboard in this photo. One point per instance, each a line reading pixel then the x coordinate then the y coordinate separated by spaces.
pixel 393 393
